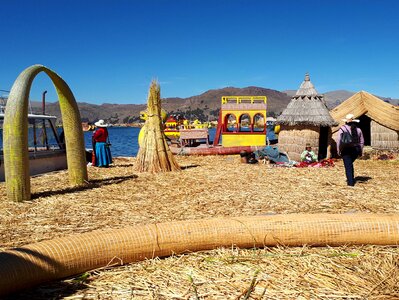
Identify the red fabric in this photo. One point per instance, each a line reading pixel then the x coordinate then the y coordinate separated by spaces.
pixel 100 135
pixel 93 158
pixel 322 164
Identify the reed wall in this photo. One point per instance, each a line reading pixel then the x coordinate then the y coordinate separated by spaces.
pixel 293 140
pixel 383 137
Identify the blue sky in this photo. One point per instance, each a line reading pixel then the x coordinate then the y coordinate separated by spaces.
pixel 108 51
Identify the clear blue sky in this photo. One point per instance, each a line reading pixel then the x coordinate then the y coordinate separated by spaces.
pixel 108 51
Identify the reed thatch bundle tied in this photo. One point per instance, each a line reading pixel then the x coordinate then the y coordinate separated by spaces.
pixel 154 153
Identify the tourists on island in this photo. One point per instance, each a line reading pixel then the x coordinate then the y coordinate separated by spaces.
pixel 270 131
pixel 308 156
pixel 350 142
pixel 101 146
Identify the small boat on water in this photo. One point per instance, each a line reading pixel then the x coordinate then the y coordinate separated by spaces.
pixel 177 123
pixel 45 145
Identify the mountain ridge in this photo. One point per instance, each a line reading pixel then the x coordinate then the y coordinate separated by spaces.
pixel 204 106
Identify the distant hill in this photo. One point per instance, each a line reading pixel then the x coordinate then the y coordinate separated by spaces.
pixel 204 106
pixel 209 101
pixel 334 98
pixel 289 92
pixel 112 113
pixel 390 100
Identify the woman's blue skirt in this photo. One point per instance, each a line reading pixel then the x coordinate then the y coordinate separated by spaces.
pixel 103 155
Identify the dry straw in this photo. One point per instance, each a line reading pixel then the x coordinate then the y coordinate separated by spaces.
pixel 154 154
pixel 59 258
pixel 213 186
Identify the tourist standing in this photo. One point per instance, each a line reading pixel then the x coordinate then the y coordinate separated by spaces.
pixel 350 142
pixel 101 145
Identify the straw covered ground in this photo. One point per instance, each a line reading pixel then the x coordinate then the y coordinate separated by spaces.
pixel 208 187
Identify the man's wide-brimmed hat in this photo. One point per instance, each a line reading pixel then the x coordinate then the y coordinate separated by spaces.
pixel 350 118
pixel 101 123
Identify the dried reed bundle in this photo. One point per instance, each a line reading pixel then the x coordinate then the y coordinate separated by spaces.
pixel 154 153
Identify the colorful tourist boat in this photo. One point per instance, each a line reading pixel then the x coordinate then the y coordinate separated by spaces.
pixel 241 127
pixel 172 126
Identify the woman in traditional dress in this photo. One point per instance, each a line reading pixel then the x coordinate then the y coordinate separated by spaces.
pixel 101 145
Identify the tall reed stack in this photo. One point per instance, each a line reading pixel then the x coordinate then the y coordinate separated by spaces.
pixel 154 154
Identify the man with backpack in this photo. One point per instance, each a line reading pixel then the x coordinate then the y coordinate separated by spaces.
pixel 350 142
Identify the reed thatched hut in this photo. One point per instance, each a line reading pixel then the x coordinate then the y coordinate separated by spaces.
pixel 379 120
pixel 306 120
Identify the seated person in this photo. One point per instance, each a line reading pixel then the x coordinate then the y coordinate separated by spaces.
pixel 308 156
pixel 272 154
pixel 270 132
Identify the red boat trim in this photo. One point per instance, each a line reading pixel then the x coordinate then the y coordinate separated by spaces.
pixel 216 150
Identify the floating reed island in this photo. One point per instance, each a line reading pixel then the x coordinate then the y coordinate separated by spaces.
pixel 207 187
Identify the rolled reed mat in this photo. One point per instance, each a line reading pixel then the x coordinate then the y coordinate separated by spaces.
pixel 41 262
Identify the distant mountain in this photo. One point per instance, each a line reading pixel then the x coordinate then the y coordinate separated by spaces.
pixel 390 100
pixel 204 107
pixel 334 98
pixel 289 92
pixel 112 113
pixel 209 101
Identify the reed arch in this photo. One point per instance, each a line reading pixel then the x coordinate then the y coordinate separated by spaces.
pixel 15 132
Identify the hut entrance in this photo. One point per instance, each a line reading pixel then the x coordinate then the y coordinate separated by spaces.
pixel 323 142
pixel 365 126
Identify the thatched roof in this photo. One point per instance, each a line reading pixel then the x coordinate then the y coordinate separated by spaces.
pixel 306 108
pixel 364 103
pixel 307 88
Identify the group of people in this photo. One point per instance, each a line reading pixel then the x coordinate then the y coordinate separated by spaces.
pixel 350 143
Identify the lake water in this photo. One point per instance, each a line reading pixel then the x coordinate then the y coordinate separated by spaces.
pixel 124 140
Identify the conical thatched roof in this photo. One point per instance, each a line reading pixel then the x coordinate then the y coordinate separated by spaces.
pixel 364 103
pixel 306 108
pixel 307 88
